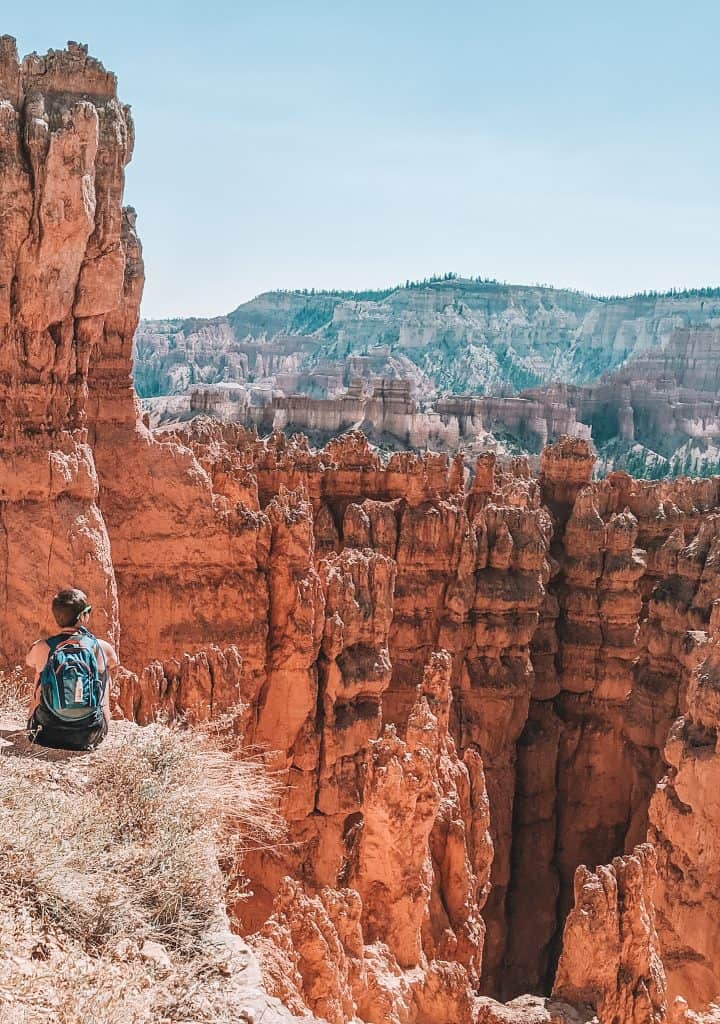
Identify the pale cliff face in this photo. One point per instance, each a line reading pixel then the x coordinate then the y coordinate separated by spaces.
pixel 453 336
pixel 638 376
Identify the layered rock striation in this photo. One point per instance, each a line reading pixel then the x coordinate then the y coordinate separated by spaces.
pixel 503 366
pixel 450 336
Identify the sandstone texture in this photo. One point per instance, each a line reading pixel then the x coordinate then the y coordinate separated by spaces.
pixel 489 693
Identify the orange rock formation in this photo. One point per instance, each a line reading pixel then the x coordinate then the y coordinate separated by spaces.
pixel 610 956
pixel 467 686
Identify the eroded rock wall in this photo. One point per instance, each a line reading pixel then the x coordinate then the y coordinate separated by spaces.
pixel 564 606
pixel 403 939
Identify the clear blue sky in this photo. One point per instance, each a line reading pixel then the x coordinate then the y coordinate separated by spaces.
pixel 351 145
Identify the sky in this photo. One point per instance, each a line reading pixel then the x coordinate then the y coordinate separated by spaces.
pixel 355 145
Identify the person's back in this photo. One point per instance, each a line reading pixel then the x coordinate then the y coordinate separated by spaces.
pixel 71 704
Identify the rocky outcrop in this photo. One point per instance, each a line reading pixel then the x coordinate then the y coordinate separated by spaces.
pixel 610 958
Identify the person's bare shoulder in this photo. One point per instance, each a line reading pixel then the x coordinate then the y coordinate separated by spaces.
pixel 37 655
pixel 109 652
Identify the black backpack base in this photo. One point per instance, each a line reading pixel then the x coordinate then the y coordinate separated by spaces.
pixel 47 731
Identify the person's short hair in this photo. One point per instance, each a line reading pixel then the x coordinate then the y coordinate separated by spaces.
pixel 68 605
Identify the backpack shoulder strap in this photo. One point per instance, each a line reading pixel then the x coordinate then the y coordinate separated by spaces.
pixel 91 636
pixel 54 641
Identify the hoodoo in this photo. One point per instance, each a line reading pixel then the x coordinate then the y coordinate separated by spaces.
pixel 492 701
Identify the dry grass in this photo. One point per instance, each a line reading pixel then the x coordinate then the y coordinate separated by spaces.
pixel 15 692
pixel 103 852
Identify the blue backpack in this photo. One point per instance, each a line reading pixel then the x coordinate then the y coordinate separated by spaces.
pixel 72 685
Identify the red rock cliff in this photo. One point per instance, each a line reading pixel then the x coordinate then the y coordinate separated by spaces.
pixel 64 142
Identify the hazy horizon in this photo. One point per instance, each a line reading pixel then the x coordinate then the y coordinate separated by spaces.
pixel 335 147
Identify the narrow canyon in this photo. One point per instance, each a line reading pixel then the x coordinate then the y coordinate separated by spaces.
pixel 492 697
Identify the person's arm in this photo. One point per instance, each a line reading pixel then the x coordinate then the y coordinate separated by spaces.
pixel 110 655
pixel 111 662
pixel 34 654
pixel 35 659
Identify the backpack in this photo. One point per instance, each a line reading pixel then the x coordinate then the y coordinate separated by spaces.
pixel 72 685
